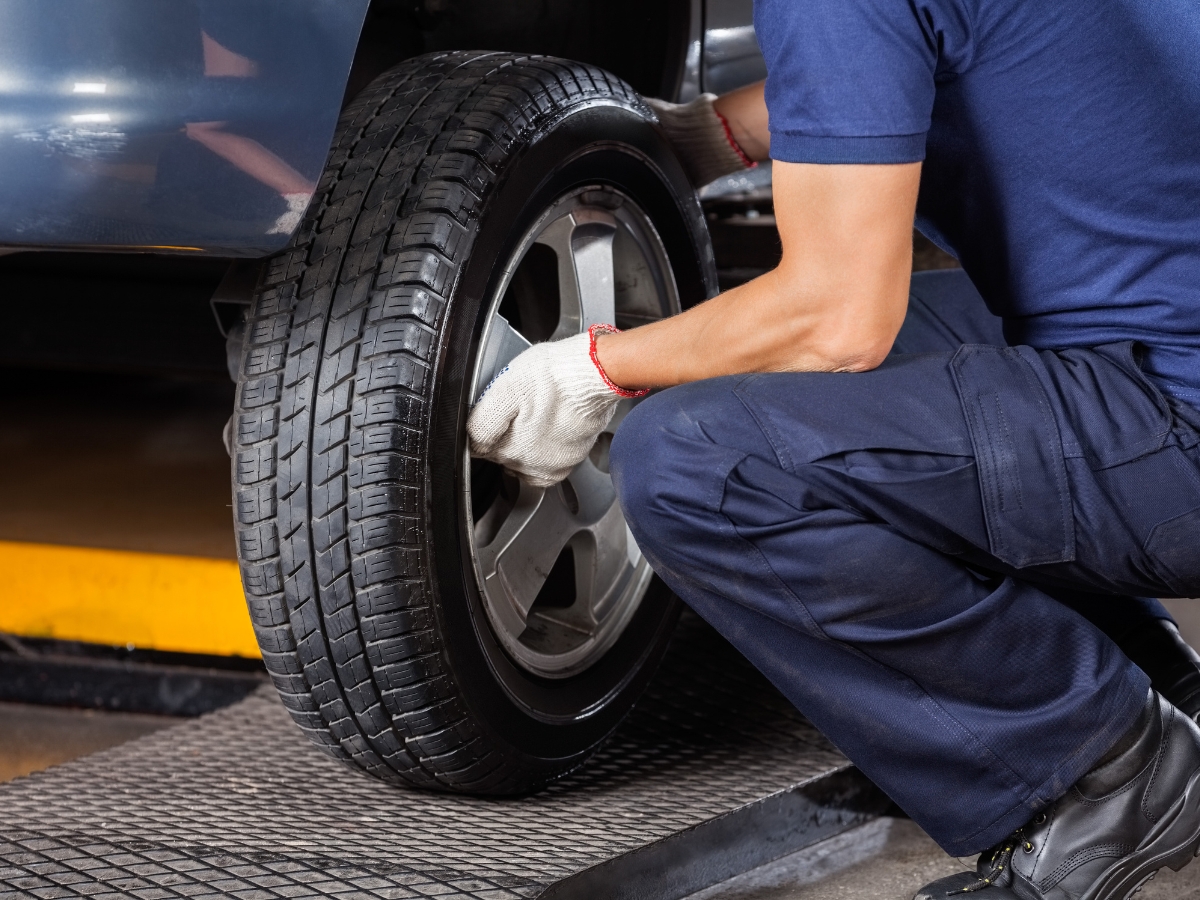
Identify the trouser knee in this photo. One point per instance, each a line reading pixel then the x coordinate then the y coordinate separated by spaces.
pixel 668 460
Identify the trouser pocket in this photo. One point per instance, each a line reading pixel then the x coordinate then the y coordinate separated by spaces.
pixel 1018 455
pixel 1173 549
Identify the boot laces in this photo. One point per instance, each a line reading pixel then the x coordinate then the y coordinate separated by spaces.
pixel 997 864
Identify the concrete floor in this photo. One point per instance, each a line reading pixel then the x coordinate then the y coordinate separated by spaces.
pixel 1187 614
pixel 33 738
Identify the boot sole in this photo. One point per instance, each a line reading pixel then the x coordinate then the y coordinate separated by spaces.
pixel 1173 843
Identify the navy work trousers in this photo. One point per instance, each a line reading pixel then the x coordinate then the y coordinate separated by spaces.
pixel 912 554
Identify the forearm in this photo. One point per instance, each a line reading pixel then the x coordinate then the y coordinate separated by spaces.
pixel 835 303
pixel 762 326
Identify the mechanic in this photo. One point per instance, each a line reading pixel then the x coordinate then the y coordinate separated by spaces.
pixel 924 524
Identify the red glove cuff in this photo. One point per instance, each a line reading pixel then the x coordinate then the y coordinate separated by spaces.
pixel 608 329
pixel 737 148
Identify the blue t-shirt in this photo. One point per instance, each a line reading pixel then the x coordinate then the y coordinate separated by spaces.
pixel 1062 148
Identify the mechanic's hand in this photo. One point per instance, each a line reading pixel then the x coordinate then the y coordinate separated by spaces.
pixel 542 414
pixel 701 138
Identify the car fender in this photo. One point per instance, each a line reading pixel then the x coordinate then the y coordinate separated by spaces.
pixel 188 127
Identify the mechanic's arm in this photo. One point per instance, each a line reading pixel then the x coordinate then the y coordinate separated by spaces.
pixel 834 304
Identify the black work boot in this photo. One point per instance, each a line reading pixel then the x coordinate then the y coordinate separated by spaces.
pixel 1135 812
pixel 1158 649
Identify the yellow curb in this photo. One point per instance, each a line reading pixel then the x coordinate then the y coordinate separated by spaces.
pixel 151 601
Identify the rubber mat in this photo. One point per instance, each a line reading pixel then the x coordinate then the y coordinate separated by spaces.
pixel 712 774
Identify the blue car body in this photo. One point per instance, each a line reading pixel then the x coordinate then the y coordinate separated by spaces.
pixel 110 111
pixel 202 126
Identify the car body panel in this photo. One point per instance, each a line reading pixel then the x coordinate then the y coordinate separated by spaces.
pixel 201 126
pixel 155 125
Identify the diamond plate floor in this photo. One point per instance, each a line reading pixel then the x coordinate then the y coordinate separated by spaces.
pixel 712 774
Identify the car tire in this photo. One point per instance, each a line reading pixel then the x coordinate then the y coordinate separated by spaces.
pixel 418 269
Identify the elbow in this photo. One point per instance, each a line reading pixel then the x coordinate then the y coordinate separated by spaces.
pixel 844 328
pixel 859 351
pixel 866 358
pixel 861 338
pixel 856 352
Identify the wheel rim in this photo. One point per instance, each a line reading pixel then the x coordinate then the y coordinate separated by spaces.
pixel 558 570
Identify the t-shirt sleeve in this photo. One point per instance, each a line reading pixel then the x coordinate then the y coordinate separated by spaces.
pixel 853 81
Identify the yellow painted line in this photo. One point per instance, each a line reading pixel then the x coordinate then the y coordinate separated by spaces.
pixel 147 600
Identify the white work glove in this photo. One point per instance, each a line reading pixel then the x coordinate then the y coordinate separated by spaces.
pixel 701 138
pixel 290 220
pixel 541 415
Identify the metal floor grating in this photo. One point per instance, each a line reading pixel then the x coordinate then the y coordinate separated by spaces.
pixel 712 774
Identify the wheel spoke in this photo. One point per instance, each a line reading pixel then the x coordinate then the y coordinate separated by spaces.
pixel 603 571
pixel 583 242
pixel 593 256
pixel 503 344
pixel 517 561
pixel 593 492
pixel 599 541
pixel 582 511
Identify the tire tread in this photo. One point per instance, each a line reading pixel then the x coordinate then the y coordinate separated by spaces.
pixel 334 405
